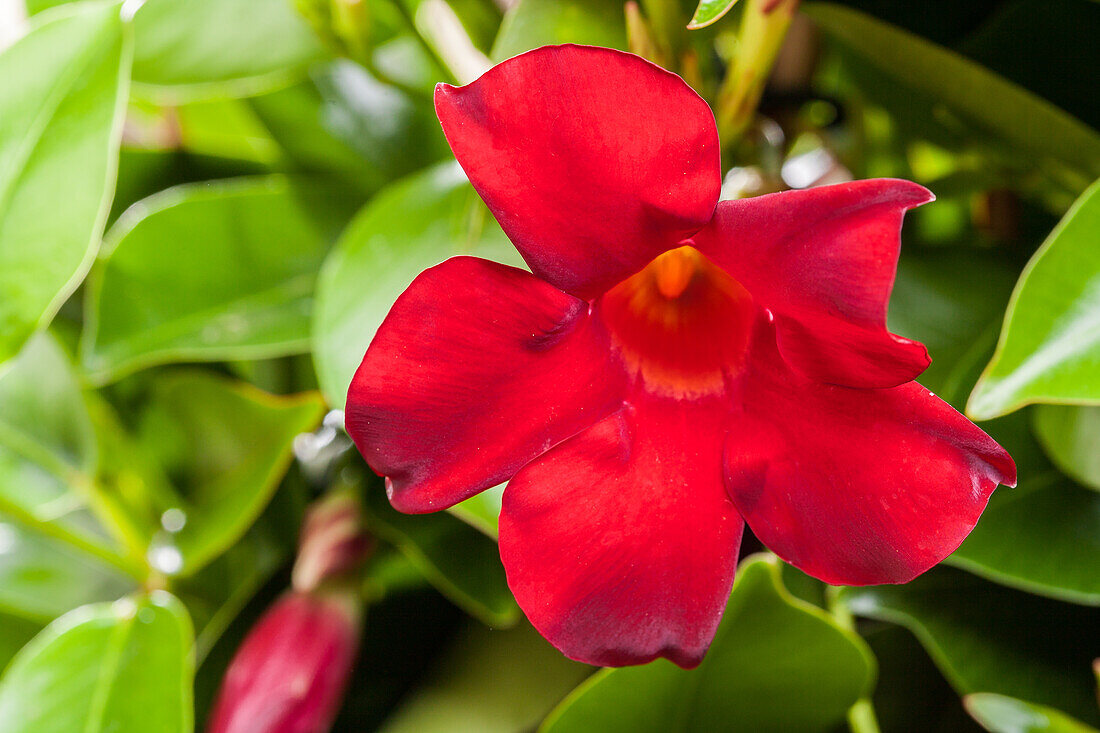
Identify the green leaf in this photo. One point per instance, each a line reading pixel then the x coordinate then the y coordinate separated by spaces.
pixel 206 272
pixel 981 98
pixel 218 48
pixel 42 578
pixel 987 638
pixel 1002 714
pixel 1049 349
pixel 124 666
pixel 1071 437
pixel 533 23
pixel 937 301
pixel 489 681
pixel 226 446
pixel 770 651
pixel 410 226
pixel 709 12
pixel 63 90
pixel 461 562
pixel 1042 537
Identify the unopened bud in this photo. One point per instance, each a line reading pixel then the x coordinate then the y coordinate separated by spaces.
pixel 333 541
pixel 290 673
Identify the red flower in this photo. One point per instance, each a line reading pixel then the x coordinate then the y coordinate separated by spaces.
pixel 674 366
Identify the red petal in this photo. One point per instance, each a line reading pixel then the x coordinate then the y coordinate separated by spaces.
pixel 620 544
pixel 477 369
pixel 594 161
pixel 823 261
pixel 857 487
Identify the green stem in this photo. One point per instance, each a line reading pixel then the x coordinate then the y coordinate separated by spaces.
pixel 861 716
pixel 410 24
pixel 388 80
pixel 59 532
pixel 668 26
pixel 763 28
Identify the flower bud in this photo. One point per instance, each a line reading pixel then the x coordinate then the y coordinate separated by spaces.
pixel 289 674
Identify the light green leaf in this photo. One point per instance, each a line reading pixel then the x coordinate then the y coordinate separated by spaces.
pixel 709 12
pixel 1002 714
pixel 205 272
pixel 410 226
pixel 219 48
pixel 1042 537
pixel 63 90
pixel 1071 437
pixel 42 578
pixel 489 682
pixel 461 562
pixel 227 446
pixel 987 638
pixel 118 667
pixel 980 97
pixel 776 664
pixel 533 23
pixel 1049 349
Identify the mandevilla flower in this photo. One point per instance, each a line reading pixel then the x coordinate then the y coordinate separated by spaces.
pixel 672 367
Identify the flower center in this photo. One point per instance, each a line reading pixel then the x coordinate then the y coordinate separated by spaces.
pixel 681 324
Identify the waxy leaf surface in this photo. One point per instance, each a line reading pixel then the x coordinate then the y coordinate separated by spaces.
pixel 62 92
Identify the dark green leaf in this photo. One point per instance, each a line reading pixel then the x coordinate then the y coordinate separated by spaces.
pixel 1042 537
pixel 459 561
pixel 226 446
pixel 1049 349
pixel 1001 714
pixel 770 651
pixel 987 638
pixel 62 90
pixel 982 98
pixel 210 271
pixel 217 48
pixel 124 666
pixel 533 23
pixel 1071 437
pixel 412 225
pixel 710 11
pixel 489 682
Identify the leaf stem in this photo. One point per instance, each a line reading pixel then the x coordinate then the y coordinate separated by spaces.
pixel 410 23
pixel 861 716
pixel 763 28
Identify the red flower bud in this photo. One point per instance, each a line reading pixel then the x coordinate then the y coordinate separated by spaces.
pixel 289 674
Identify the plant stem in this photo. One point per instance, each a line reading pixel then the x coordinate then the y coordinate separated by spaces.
pixel 861 716
pixel 763 28
pixel 410 24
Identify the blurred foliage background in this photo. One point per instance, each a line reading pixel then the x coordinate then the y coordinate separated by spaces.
pixel 207 207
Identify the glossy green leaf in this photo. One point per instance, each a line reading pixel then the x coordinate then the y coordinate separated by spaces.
pixel 770 651
pixel 410 226
pixel 533 23
pixel 216 48
pixel 1071 437
pixel 489 682
pixel 1049 349
pixel 226 446
pixel 709 12
pixel 988 638
pixel 1002 714
pixel 118 667
pixel 42 578
pixel 1042 537
pixel 983 99
pixel 62 90
pixel 461 562
pixel 206 272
